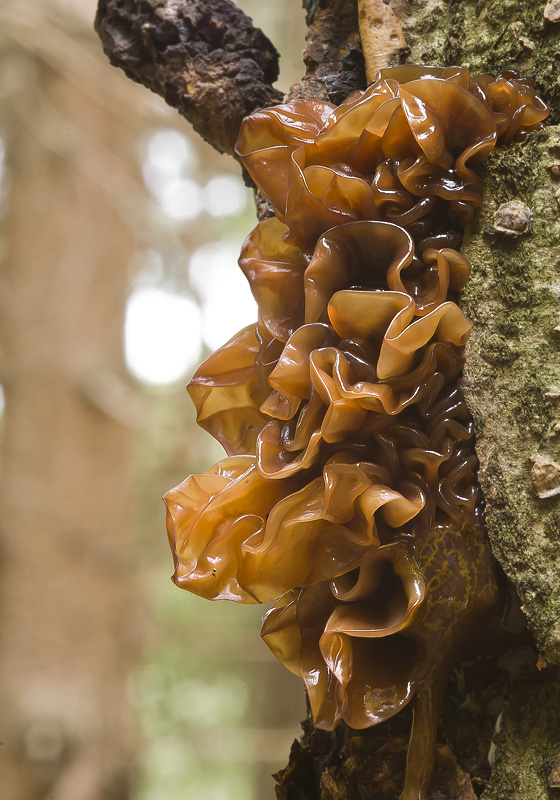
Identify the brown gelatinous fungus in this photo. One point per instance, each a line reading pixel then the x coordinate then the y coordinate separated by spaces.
pixel 226 393
pixel 350 493
pixel 344 638
pixel 515 106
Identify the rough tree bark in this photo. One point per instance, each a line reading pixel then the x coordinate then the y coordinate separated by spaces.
pixel 512 377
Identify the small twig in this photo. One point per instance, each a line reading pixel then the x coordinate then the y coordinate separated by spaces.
pixel 381 33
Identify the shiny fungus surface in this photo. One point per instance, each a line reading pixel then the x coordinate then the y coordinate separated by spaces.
pixel 349 496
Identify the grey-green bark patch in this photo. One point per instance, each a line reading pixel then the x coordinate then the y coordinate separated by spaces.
pixel 512 384
pixel 486 36
pixel 527 746
pixel 512 375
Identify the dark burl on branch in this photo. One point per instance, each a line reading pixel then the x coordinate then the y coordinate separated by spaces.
pixel 207 61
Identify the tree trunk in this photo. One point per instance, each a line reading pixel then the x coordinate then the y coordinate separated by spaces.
pixel 69 633
pixel 511 381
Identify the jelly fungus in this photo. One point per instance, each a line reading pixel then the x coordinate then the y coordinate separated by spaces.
pixel 349 494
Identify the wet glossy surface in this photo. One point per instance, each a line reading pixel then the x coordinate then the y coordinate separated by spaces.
pixel 350 496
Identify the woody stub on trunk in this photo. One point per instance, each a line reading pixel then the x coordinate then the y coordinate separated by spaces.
pixel 498 724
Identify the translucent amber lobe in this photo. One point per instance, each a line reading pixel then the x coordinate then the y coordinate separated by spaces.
pixel 209 517
pixel 513 103
pixel 325 388
pixel 344 638
pixel 364 643
pixel 350 493
pixel 275 273
pixel 269 137
pixel 237 536
pixel 227 396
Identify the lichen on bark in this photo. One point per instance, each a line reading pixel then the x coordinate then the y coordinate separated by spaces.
pixel 512 375
pixel 486 36
pixel 527 744
pixel 512 372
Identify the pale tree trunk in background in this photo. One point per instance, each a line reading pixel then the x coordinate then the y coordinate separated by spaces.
pixel 69 629
pixel 512 377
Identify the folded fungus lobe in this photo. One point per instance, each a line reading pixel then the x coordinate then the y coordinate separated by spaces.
pixel 349 493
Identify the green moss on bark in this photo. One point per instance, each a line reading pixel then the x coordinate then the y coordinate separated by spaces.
pixel 486 36
pixel 513 371
pixel 513 362
pixel 527 745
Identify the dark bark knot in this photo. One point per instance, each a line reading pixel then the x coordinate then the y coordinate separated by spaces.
pixel 207 61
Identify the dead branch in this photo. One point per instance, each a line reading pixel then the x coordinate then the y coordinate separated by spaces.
pixel 381 33
pixel 205 59
pixel 333 57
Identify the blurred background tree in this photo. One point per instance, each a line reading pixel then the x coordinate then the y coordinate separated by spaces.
pixel 119 234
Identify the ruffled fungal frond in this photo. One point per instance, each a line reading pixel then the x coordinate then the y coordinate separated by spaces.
pixel 350 493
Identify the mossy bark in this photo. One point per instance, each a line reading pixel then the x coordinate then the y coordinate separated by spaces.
pixel 512 381
pixel 512 372
pixel 512 376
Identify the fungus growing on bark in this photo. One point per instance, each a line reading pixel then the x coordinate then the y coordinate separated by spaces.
pixel 350 493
